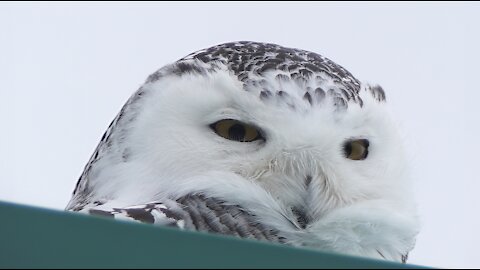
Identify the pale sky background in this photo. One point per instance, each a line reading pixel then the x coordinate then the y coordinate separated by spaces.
pixel 66 69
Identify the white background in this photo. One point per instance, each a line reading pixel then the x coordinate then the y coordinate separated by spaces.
pixel 67 68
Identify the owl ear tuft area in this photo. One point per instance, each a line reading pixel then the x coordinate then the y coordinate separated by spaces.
pixel 377 92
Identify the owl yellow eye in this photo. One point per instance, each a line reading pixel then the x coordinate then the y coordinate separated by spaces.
pixel 356 149
pixel 236 131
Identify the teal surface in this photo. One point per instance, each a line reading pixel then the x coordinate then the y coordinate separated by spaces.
pixel 40 238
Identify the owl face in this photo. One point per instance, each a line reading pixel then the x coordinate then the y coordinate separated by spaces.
pixel 310 156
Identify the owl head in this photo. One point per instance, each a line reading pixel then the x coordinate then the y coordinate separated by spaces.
pixel 285 133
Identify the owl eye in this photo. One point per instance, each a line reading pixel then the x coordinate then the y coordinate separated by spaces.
pixel 356 149
pixel 236 131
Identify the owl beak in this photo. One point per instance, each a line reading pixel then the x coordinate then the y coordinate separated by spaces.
pixel 301 217
pixel 301 213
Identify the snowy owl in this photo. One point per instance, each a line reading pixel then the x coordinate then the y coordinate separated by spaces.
pixel 258 141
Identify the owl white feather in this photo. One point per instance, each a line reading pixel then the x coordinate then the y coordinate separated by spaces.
pixel 258 141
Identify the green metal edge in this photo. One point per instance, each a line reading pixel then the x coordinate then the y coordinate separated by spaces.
pixel 33 237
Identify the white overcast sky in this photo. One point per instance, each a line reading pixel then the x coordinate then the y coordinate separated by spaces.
pixel 67 68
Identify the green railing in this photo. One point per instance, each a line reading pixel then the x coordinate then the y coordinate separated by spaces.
pixel 40 238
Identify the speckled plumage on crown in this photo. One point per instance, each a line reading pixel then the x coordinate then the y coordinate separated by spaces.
pixel 245 58
pixel 251 61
